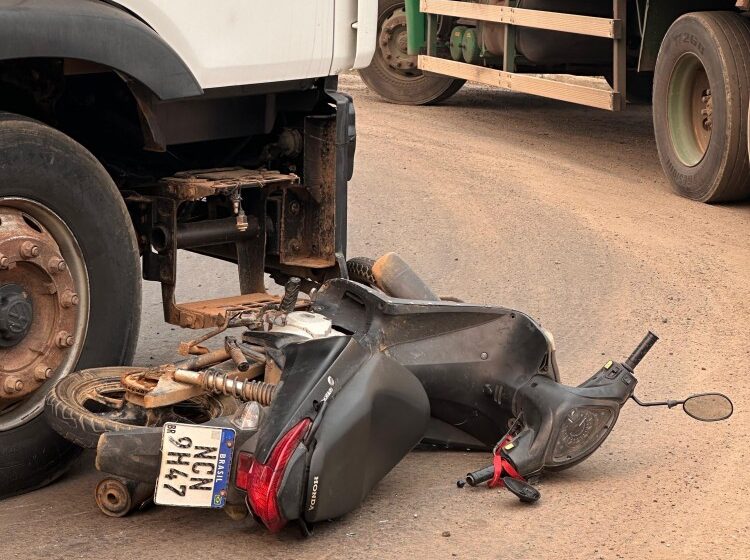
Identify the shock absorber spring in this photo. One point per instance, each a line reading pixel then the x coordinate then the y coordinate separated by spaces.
pixel 223 383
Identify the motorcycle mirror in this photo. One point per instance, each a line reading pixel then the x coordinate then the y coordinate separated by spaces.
pixel 523 490
pixel 708 407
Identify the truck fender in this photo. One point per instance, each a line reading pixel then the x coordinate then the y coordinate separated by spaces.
pixel 656 16
pixel 95 32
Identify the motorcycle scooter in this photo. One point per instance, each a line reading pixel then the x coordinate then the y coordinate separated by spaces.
pixel 365 372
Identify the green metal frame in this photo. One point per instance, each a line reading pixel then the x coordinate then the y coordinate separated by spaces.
pixel 415 27
pixel 511 16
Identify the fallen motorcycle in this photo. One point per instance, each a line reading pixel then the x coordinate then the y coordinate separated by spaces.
pixel 321 398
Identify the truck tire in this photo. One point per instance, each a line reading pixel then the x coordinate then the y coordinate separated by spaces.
pixel 700 104
pixel 397 79
pixel 55 196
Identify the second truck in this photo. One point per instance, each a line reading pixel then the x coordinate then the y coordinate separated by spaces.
pixel 691 57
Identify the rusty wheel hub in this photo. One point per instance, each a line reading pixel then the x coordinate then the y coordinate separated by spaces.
pixel 392 43
pixel 42 323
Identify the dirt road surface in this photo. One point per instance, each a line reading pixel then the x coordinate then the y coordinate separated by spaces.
pixel 562 212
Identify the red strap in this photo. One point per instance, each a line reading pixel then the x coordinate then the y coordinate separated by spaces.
pixel 502 467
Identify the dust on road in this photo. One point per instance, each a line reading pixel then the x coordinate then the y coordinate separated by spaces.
pixel 562 212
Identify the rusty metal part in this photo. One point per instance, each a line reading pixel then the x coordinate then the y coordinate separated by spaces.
pixel 12 384
pixel 272 374
pixel 291 294
pixel 43 322
pixel 298 223
pixel 255 353
pixel 42 372
pixel 69 299
pixel 204 360
pixel 307 236
pixel 194 346
pixel 156 387
pixel 194 185
pixel 160 205
pixel 216 232
pixel 169 391
pixel 117 497
pixel 137 384
pixel 217 312
pixel 707 111
pixel 239 359
pixel 220 382
pixel 56 264
pixel 64 339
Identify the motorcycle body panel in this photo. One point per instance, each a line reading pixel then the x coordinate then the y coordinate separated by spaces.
pixel 469 358
pixel 368 427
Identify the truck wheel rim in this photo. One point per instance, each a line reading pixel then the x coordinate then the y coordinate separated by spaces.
pixel 392 44
pixel 690 110
pixel 44 306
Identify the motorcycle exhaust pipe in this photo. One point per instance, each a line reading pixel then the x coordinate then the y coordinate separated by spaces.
pixel 396 278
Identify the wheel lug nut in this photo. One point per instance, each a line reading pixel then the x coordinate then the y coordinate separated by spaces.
pixel 56 264
pixel 29 250
pixel 69 299
pixel 64 339
pixel 42 372
pixel 12 384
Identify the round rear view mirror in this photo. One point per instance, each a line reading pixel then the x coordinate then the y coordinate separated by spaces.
pixel 708 407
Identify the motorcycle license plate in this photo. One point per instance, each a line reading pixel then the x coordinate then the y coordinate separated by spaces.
pixel 196 462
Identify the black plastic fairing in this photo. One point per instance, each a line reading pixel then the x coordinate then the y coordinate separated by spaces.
pixel 369 426
pixel 565 425
pixel 463 354
pixel 304 381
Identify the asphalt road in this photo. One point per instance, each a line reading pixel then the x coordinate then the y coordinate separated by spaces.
pixel 556 210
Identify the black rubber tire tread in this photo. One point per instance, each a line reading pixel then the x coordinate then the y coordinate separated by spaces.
pixel 41 163
pixel 77 424
pixel 721 40
pixel 359 270
pixel 428 89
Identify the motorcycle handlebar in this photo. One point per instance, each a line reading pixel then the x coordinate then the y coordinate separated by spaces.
pixel 641 350
pixel 480 476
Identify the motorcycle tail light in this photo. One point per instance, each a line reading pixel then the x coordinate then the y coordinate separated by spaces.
pixel 262 481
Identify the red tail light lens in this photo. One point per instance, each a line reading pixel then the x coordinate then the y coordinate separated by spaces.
pixel 262 481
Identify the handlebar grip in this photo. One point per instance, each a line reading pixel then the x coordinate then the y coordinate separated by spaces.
pixel 480 476
pixel 641 350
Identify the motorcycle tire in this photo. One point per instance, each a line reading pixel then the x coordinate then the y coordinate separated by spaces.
pixel 359 270
pixel 77 407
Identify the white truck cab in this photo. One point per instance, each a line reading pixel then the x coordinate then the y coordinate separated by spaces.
pixel 240 42
pixel 132 129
